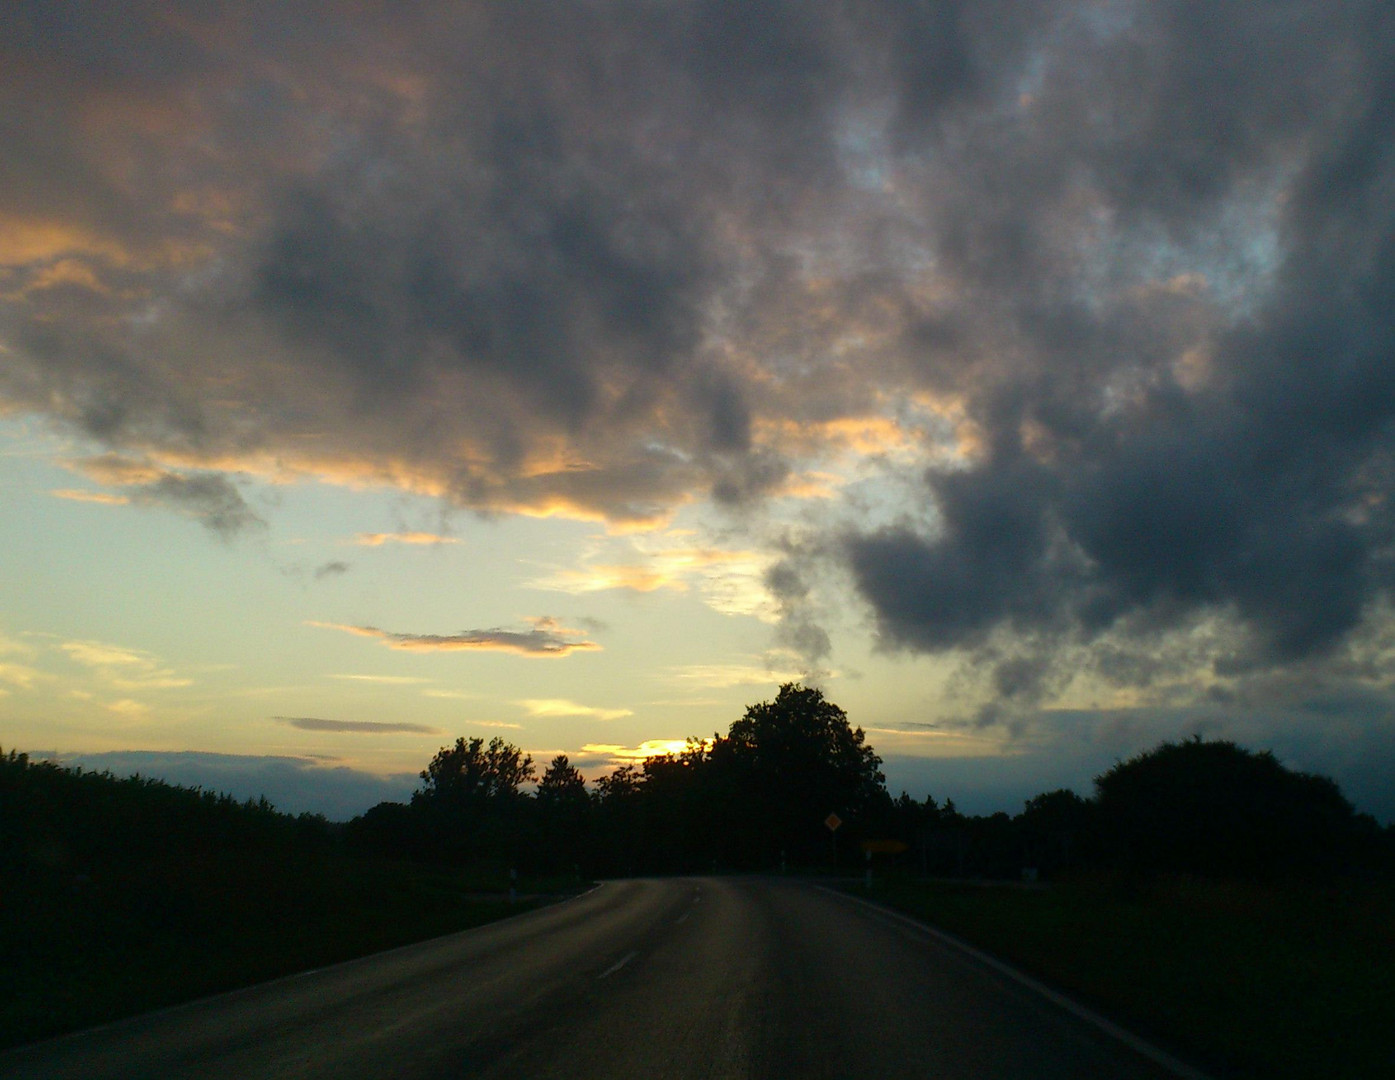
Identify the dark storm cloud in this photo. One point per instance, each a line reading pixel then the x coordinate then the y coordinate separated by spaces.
pixel 629 256
pixel 478 244
pixel 1117 488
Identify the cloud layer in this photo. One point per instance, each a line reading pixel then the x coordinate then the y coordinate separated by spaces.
pixel 1104 291
pixel 355 727
pixel 547 638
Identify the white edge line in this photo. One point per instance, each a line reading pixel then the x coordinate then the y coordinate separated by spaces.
pixel 615 966
pixel 1128 1038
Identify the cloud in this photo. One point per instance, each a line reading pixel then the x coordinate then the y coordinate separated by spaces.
pixel 379 539
pixel 722 676
pixel 124 669
pixel 1157 455
pixel 728 580
pixel 102 498
pixel 547 638
pixel 208 497
pixel 798 630
pixel 616 754
pixel 99 654
pixel 390 680
pixel 355 727
pixel 21 676
pixel 556 707
pixel 1075 318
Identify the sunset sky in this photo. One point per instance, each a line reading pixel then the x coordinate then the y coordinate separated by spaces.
pixel 1022 373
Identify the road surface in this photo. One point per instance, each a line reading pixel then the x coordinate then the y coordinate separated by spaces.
pixel 705 977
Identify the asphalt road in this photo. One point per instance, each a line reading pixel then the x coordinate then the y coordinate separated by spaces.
pixel 705 977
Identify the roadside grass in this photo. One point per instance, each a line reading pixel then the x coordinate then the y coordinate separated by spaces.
pixel 78 951
pixel 1282 981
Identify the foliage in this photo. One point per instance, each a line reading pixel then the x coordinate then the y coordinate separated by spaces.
pixel 1217 809
pixel 795 760
pixel 121 895
pixel 469 773
pixel 757 798
pixel 80 849
pixel 561 783
pixel 70 820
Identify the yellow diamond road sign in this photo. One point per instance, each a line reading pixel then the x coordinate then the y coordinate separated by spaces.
pixel 833 821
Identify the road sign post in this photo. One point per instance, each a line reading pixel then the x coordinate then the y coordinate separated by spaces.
pixel 833 821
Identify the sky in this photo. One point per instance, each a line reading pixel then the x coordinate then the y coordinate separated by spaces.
pixel 1020 373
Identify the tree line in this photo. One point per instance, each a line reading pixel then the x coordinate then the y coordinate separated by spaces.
pixel 763 797
pixel 759 798
pixel 64 820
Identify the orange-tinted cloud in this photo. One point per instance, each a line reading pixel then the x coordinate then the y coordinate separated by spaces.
pixel 103 497
pixel 379 539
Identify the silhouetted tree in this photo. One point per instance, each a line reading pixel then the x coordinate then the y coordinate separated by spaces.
pixel 683 820
pixel 470 806
pixel 618 817
pixel 561 783
pixel 794 761
pixel 1057 831
pixel 471 773
pixel 563 813
pixel 1214 808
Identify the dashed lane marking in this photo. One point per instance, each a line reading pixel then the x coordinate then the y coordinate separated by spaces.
pixel 615 966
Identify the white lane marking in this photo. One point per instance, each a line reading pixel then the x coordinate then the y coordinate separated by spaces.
pixel 1128 1038
pixel 615 966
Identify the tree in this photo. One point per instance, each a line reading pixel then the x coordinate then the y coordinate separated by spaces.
pixel 1214 808
pixel 618 815
pixel 470 808
pixel 795 760
pixel 469 774
pixel 563 813
pixel 561 783
pixel 1056 828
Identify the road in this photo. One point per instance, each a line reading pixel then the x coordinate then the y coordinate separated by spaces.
pixel 705 977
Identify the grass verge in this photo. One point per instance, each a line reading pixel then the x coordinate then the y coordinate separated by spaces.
pixel 1249 980
pixel 81 951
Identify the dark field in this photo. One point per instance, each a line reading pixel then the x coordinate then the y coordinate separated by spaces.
pixel 77 950
pixel 1256 980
